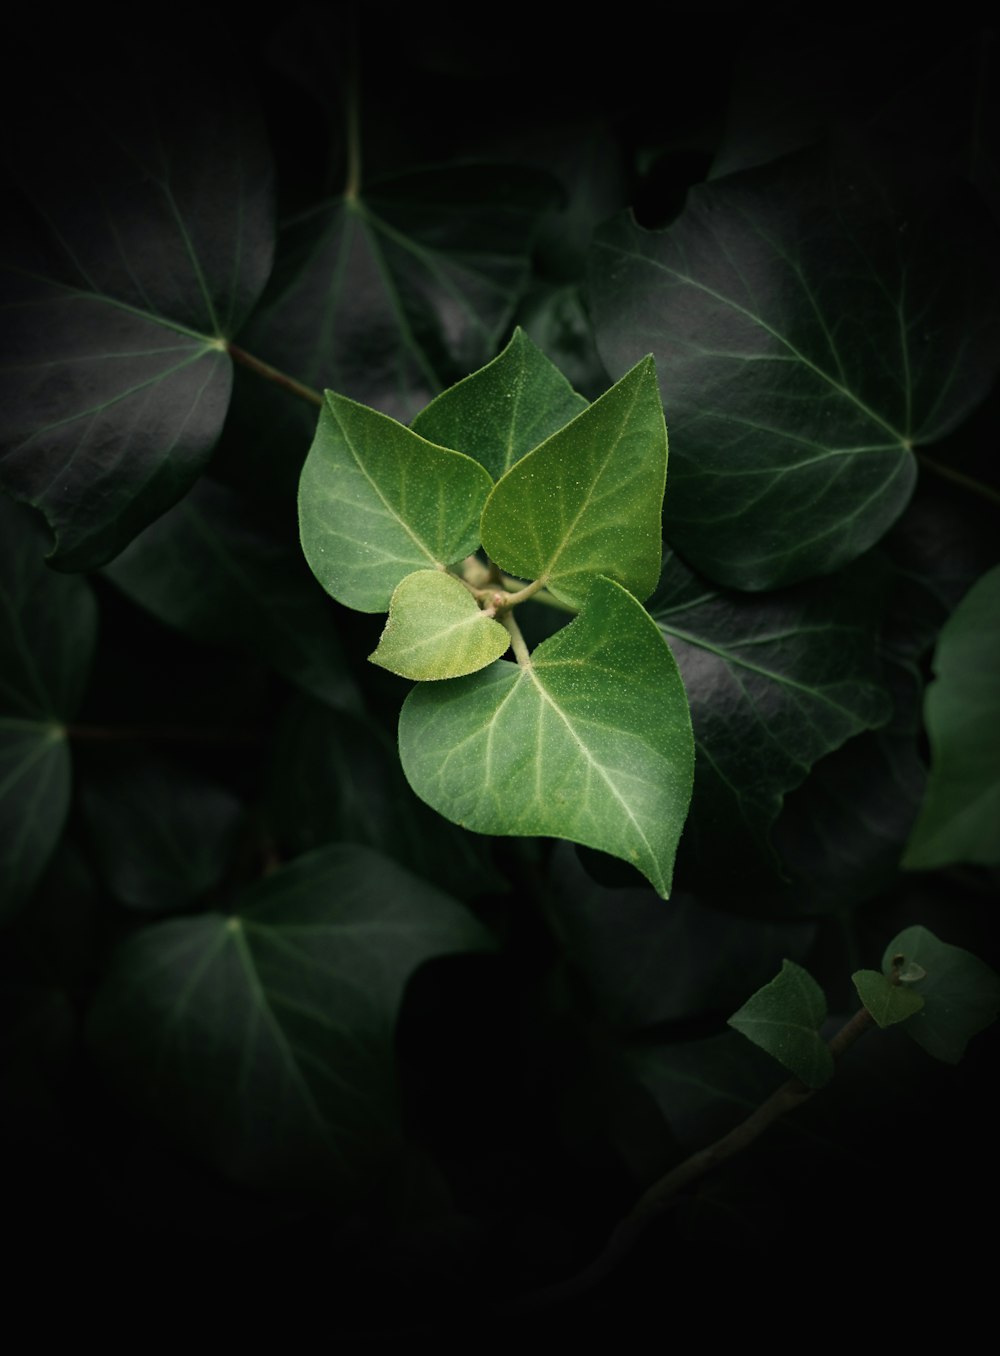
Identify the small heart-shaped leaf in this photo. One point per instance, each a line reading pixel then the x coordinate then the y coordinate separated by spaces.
pixel 436 629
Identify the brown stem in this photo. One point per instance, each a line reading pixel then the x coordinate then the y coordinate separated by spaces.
pixel 263 369
pixel 665 1192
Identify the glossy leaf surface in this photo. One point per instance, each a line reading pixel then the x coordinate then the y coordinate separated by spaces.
pixel 588 501
pixel 960 818
pixel 146 244
pixel 812 321
pixel 225 571
pixel 887 1003
pixel 784 1018
pixel 376 502
pixel 47 633
pixel 591 741
pixel 775 684
pixel 501 412
pixel 264 1040
pixel 961 993
pixel 436 629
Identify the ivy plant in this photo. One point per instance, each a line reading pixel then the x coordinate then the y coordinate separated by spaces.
pixel 499 624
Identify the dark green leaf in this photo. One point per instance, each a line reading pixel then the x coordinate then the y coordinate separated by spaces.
pixel 376 502
pixel 264 1040
pixel 47 632
pixel 338 779
pixel 162 834
pixel 646 964
pixel 397 293
pixel 588 501
pixel 590 741
pixel 961 993
pixel 784 1018
pixel 225 571
pixel 775 683
pixel 436 629
pixel 812 321
pixel 888 1003
pixel 504 410
pixel 960 818
pixel 149 242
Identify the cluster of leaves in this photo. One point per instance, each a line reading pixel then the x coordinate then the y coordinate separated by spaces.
pixel 223 891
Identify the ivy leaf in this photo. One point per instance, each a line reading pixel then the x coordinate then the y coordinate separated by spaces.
pixel 647 965
pixel 588 501
pixel 887 1003
pixel 436 629
pixel 961 994
pixel 47 631
pixel 961 813
pixel 147 245
pixel 337 778
pixel 775 683
pixel 813 320
pixel 784 1018
pixel 504 410
pixel 225 571
pixel 391 295
pixel 376 502
pixel 591 741
pixel 264 1040
pixel 162 834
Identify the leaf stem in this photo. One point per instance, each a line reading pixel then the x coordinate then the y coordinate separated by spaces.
pixel 541 596
pixel 528 591
pixel 187 734
pixel 352 187
pixel 263 369
pixel 521 652
pixel 664 1193
pixel 959 478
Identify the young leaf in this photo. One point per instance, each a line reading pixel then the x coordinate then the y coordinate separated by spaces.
pixel 504 410
pixel 226 571
pixel 589 741
pixel 588 501
pixel 264 1040
pixel 376 502
pixel 775 683
pixel 961 993
pixel 436 629
pixel 960 818
pixel 784 1018
pixel 148 242
pixel 888 1003
pixel 47 632
pixel 394 294
pixel 813 320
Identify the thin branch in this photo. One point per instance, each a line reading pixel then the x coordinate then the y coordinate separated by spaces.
pixel 665 1192
pixel 959 478
pixel 263 369
pixel 352 187
pixel 521 652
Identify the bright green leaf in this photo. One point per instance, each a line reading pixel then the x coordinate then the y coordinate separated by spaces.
pixel 960 818
pixel 377 501
pixel 146 245
pixel 784 1018
pixel 590 741
pixel 226 571
pixel 436 629
pixel 504 410
pixel 775 683
pixel 888 1003
pixel 588 501
pixel 264 1040
pixel 395 294
pixel 47 633
pixel 961 993
pixel 812 321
